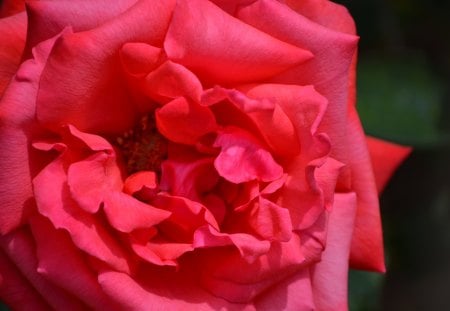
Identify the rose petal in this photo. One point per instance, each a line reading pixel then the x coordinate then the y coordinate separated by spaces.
pixel 62 263
pixel 184 122
pixel 186 217
pixel 385 158
pixel 15 290
pixel 152 290
pixel 139 58
pixel 243 158
pixel 270 221
pixel 229 51
pixel 12 31
pixel 249 247
pixel 329 276
pixel 326 13
pixel 90 180
pixel 83 77
pixel 228 275
pixel 48 18
pixel 20 248
pixel 54 201
pixel 171 80
pixel 367 246
pixel 126 213
pixel 17 112
pixel 329 77
pixel 188 179
pixel 293 293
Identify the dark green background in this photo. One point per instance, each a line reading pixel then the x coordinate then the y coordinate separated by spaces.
pixel 404 96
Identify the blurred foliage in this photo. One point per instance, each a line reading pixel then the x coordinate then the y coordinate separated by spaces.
pixel 399 99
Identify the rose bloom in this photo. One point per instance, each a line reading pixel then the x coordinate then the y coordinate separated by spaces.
pixel 184 155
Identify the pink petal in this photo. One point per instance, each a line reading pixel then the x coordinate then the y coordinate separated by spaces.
pixel 164 291
pixel 15 289
pixel 126 213
pixel 226 274
pixel 325 13
pixel 293 293
pixel 20 248
pixel 385 158
pixel 172 80
pixel 230 51
pixel 329 276
pixel 63 264
pixel 367 246
pixel 54 201
pixel 184 122
pixel 328 71
pixel 13 32
pixel 17 113
pixel 161 254
pixel 270 221
pixel 91 179
pixel 83 77
pixel 243 158
pixel 270 120
pixel 188 179
pixel 139 58
pixel 48 18
pixel 186 217
pixel 250 248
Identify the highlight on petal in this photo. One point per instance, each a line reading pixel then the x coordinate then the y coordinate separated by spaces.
pixel 229 51
pixel 243 158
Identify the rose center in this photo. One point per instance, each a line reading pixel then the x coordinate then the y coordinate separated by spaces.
pixel 143 147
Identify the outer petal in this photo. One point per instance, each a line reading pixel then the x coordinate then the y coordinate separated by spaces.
pixel 386 157
pixel 63 264
pixel 48 18
pixel 367 246
pixel 15 290
pixel 17 111
pixel 12 32
pixel 20 248
pixel 329 276
pixel 326 13
pixel 223 49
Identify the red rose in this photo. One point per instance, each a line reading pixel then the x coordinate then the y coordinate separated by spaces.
pixel 184 155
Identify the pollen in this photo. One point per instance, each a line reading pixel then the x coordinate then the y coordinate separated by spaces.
pixel 143 148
